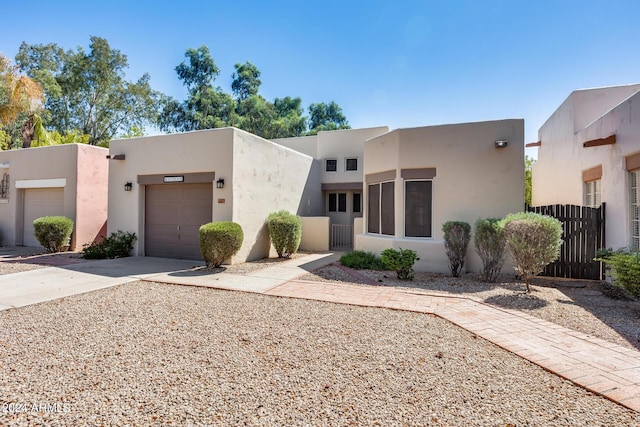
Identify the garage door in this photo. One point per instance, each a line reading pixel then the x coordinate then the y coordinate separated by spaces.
pixel 40 202
pixel 173 215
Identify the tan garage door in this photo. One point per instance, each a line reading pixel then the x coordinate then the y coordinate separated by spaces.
pixel 40 202
pixel 173 215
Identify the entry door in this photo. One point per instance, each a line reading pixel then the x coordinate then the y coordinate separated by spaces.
pixel 173 215
pixel 39 202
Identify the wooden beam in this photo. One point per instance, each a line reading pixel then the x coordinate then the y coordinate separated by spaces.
pixel 534 144
pixel 602 141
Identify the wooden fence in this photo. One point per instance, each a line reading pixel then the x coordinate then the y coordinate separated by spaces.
pixel 583 234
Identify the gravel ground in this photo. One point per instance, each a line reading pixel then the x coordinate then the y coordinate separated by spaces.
pixel 17 267
pixel 152 354
pixel 579 305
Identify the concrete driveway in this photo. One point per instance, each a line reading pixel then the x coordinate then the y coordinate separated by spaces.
pixel 31 287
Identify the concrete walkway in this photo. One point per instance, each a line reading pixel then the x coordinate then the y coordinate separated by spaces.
pixel 607 369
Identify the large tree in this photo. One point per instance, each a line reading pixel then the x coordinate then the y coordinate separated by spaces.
pixel 324 116
pixel 87 92
pixel 21 101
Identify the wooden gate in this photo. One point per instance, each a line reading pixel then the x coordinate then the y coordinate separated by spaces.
pixel 341 237
pixel 583 234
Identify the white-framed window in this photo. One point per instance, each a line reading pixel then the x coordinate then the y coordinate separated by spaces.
pixel 418 205
pixel 331 165
pixel 337 202
pixel 634 208
pixel 380 208
pixel 592 193
pixel 351 164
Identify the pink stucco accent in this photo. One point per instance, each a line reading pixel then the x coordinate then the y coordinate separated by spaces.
pixel 91 196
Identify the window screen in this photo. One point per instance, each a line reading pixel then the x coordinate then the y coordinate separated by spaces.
pixel 387 216
pixel 331 165
pixel 357 202
pixel 342 202
pixel 352 165
pixel 634 204
pixel 417 208
pixel 373 209
pixel 332 202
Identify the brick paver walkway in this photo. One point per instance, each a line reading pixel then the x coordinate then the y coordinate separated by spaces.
pixel 608 369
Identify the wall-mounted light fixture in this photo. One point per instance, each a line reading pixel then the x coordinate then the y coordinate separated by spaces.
pixel 501 143
pixel 128 186
pixel 220 183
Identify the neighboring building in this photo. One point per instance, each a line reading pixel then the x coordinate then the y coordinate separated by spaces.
pixel 589 153
pixel 69 180
pixel 164 187
pixel 416 179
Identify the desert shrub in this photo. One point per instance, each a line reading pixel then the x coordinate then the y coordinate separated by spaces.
pixel 285 230
pixel 401 261
pixel 624 268
pixel 219 241
pixel 53 232
pixel 456 239
pixel 361 260
pixel 491 246
pixel 118 245
pixel 533 240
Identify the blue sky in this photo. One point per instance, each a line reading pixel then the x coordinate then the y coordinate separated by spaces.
pixel 396 63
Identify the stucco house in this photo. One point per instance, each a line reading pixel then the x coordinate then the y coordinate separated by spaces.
pixel 418 178
pixel 589 153
pixel 68 180
pixel 164 187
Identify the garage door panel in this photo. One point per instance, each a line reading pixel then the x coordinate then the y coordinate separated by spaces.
pixel 174 214
pixel 39 202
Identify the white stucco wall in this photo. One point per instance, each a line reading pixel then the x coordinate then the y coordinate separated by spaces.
pixel 190 152
pixel 557 174
pixel 473 180
pixel 267 177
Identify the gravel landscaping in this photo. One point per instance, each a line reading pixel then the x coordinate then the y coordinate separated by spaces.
pixel 153 354
pixel 575 304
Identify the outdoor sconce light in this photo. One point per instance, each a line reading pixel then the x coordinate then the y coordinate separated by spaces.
pixel 501 143
pixel 220 183
pixel 128 186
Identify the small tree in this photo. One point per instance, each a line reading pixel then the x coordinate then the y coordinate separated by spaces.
pixel 624 268
pixel 456 239
pixel 285 230
pixel 219 241
pixel 490 243
pixel 53 232
pixel 401 261
pixel 533 240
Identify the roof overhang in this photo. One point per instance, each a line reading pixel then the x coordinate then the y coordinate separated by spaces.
pixel 602 141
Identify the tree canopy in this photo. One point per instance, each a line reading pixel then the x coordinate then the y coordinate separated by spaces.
pixel 208 106
pixel 86 91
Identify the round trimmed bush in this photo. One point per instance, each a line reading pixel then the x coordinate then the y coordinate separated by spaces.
pixel 285 230
pixel 53 232
pixel 219 241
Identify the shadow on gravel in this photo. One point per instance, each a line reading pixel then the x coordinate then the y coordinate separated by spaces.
pixel 517 301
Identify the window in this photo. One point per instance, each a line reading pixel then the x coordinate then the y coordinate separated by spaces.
pixel 634 204
pixel 592 196
pixel 4 186
pixel 357 202
pixel 381 208
pixel 337 202
pixel 351 164
pixel 417 208
pixel 331 165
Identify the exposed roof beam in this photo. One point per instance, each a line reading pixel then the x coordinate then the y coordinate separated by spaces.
pixel 534 144
pixel 602 141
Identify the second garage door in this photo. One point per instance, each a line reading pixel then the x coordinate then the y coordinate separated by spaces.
pixel 173 215
pixel 40 202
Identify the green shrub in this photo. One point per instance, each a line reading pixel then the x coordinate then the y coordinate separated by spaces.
pixel 285 230
pixel 361 260
pixel 533 240
pixel 456 239
pixel 219 241
pixel 53 232
pixel 625 269
pixel 118 245
pixel 491 246
pixel 401 261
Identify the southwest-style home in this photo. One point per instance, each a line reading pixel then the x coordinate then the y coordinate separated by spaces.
pixel 69 180
pixel 589 153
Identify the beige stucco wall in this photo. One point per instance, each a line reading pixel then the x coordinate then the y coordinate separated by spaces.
pixel 473 180
pixel 190 152
pixel 54 162
pixel 267 177
pixel 557 174
pixel 304 144
pixel 92 194
pixel 315 233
